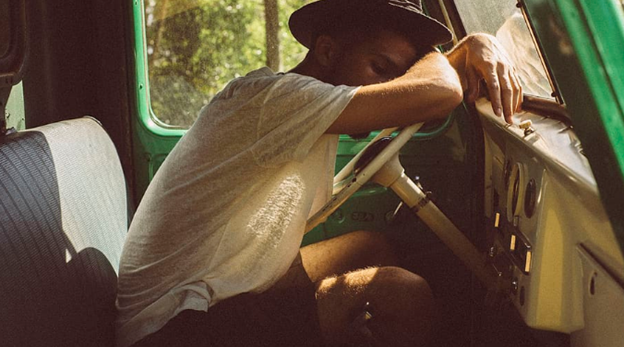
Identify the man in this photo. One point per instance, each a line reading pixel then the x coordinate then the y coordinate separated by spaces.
pixel 212 256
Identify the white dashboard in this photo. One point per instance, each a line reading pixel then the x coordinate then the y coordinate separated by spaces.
pixel 549 237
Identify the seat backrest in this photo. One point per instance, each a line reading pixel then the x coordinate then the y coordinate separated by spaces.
pixel 63 220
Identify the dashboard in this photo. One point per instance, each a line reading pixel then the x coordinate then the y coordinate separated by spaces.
pixel 548 236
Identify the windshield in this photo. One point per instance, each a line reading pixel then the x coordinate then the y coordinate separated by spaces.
pixel 504 20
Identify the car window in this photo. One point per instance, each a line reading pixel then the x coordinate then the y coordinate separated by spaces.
pixel 194 47
pixel 504 20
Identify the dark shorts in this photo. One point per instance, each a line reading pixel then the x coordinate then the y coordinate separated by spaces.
pixel 285 315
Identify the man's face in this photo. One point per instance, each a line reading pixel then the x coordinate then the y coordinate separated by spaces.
pixel 384 56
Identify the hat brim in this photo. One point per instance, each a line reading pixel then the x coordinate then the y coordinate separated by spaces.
pixel 305 22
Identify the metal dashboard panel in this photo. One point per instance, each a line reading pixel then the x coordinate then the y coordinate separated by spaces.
pixel 536 251
pixel 603 299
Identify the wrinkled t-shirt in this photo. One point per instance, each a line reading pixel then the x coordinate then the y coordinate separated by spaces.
pixel 225 213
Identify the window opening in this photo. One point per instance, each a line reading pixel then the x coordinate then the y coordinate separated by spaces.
pixel 194 47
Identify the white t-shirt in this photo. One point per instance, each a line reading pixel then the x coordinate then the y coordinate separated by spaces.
pixel 225 214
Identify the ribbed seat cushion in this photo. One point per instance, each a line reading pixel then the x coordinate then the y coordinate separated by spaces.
pixel 63 219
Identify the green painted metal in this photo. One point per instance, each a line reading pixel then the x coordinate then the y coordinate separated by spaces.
pixel 152 140
pixel 15 115
pixel 145 112
pixel 606 75
pixel 583 41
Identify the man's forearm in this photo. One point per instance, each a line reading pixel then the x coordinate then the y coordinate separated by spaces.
pixel 428 90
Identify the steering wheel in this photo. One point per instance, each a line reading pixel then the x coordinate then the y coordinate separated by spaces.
pixel 386 166
pixel 346 182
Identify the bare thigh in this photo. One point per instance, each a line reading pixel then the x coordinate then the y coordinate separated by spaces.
pixel 352 251
pixel 402 307
pixel 357 268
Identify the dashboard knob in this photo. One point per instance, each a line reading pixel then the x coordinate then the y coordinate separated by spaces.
pixel 527 127
pixel 524 125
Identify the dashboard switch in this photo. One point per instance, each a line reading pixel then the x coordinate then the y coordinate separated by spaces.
pixel 527 127
pixel 527 264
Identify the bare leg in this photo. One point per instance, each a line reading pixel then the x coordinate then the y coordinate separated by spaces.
pixel 402 306
pixel 352 251
pixel 402 301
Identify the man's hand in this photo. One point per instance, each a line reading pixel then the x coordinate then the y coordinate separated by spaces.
pixel 480 56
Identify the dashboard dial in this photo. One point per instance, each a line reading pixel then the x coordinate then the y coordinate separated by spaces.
pixel 517 180
pixel 530 198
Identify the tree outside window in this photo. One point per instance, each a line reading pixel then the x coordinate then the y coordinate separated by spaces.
pixel 194 47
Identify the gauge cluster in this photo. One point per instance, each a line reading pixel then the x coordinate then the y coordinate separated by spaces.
pixel 517 185
pixel 514 203
pixel 515 209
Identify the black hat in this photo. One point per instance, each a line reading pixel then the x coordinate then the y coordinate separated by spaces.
pixel 308 21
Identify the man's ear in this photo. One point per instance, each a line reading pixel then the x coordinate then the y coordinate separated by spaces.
pixel 326 50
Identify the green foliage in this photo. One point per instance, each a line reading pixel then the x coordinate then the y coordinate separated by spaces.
pixel 196 46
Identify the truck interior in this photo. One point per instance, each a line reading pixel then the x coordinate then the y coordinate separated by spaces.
pixel 94 94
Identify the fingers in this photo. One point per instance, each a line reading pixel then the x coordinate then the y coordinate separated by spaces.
pixel 504 89
pixel 488 60
pixel 493 84
pixel 508 96
pixel 517 90
pixel 472 85
pixel 514 93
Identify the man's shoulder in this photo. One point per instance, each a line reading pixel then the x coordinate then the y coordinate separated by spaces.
pixel 262 72
pixel 265 81
pixel 265 75
pixel 252 83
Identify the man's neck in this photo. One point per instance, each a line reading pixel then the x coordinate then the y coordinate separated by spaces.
pixel 310 68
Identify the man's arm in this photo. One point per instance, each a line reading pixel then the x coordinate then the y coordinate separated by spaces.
pixel 434 86
pixel 430 89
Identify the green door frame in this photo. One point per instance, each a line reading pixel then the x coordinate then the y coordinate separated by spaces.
pixel 583 41
pixel 152 140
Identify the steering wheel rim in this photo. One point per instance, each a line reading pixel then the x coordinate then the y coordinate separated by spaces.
pixel 345 186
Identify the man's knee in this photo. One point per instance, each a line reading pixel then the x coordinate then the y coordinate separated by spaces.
pixel 405 309
pixel 400 296
pixel 401 305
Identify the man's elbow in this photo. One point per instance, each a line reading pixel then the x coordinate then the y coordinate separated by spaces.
pixel 445 84
pixel 455 93
pixel 450 94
